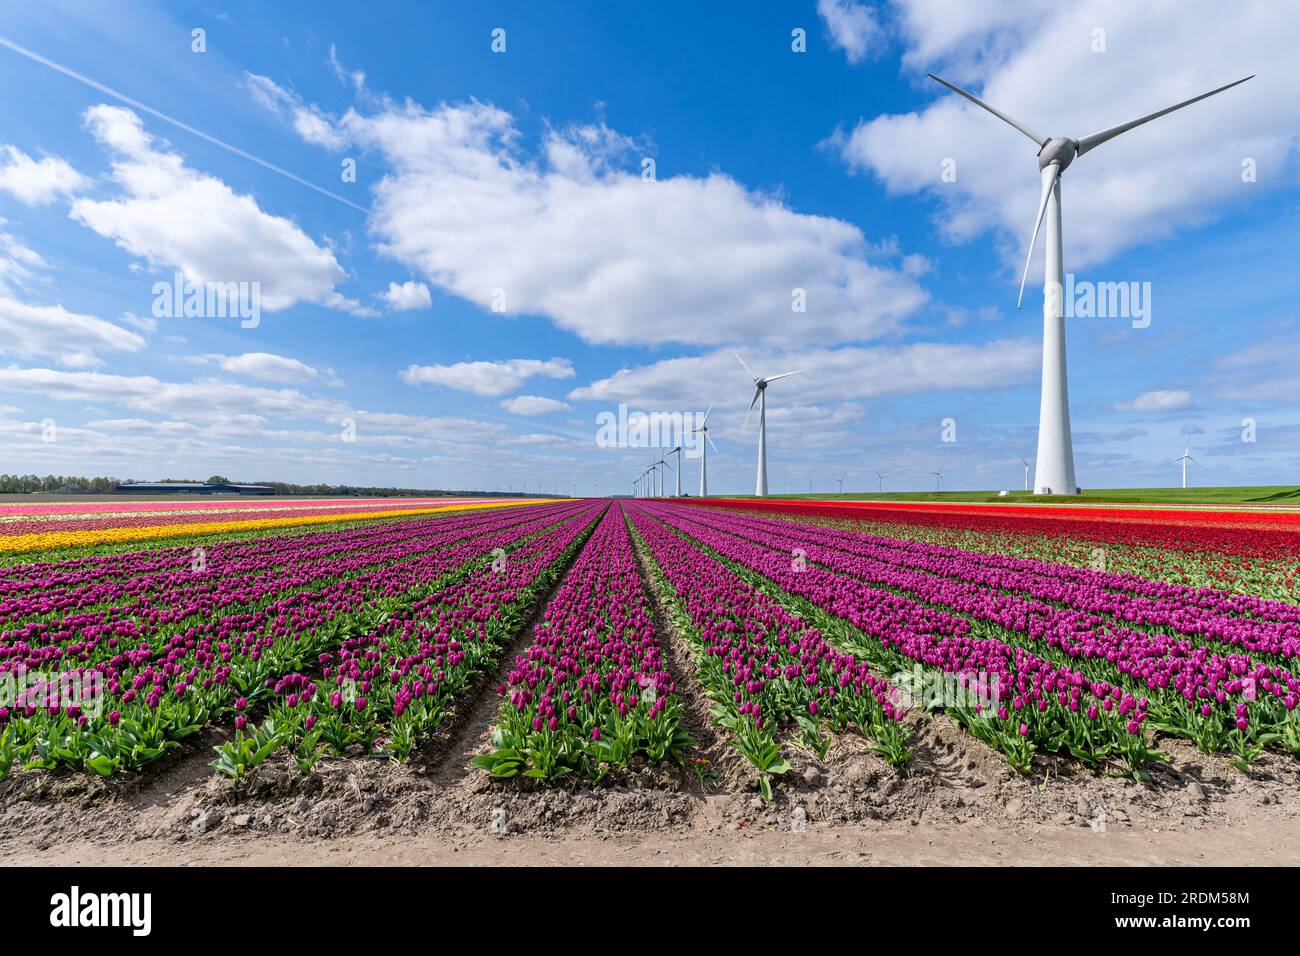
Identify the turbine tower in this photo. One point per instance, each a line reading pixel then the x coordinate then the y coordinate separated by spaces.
pixel 760 396
pixel 841 481
pixel 880 481
pixel 938 478
pixel 1055 461
pixel 703 429
pixel 1026 464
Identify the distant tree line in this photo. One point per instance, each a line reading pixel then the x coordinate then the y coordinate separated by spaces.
pixel 56 484
pixel 73 485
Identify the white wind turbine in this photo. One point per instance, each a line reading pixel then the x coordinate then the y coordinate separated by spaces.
pixel 938 478
pixel 1026 464
pixel 760 396
pixel 663 462
pixel 841 481
pixel 677 472
pixel 703 429
pixel 1055 459
pixel 1185 457
pixel 880 480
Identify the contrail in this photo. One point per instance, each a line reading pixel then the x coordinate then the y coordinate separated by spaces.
pixel 109 91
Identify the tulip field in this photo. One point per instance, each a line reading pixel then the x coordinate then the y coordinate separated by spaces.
pixel 321 631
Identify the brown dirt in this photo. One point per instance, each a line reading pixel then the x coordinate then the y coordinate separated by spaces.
pixel 957 803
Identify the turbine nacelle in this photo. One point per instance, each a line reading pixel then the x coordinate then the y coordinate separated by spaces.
pixel 1060 150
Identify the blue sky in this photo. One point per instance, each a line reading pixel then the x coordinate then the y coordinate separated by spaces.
pixel 515 179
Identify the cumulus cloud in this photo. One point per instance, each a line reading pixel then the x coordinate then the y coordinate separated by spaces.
pixel 408 295
pixel 1159 401
pixel 1037 64
pixel 853 27
pixel 574 233
pixel 175 217
pixel 533 405
pixel 487 378
pixel 38 182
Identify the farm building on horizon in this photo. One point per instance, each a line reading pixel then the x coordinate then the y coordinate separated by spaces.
pixel 192 488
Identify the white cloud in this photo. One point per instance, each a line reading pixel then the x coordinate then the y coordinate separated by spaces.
pixel 1037 64
pixel 144 323
pixel 487 378
pixel 834 374
pixel 574 233
pixel 18 262
pixel 533 405
pixel 176 217
pixel 356 77
pixel 309 122
pixel 54 332
pixel 853 27
pixel 1159 401
pixel 38 182
pixel 261 365
pixel 408 295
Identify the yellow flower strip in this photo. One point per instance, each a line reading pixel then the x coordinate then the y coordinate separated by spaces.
pixel 70 539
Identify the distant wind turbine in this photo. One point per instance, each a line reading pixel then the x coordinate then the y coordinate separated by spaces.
pixel 703 429
pixel 841 481
pixel 938 478
pixel 1026 464
pixel 1055 459
pixel 880 480
pixel 663 462
pixel 760 396
pixel 1185 457
pixel 677 472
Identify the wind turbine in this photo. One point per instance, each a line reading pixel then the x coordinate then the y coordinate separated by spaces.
pixel 1055 460
pixel 703 429
pixel 880 481
pixel 810 484
pixel 938 478
pixel 1026 464
pixel 841 481
pixel 1185 457
pixel 664 463
pixel 677 472
pixel 760 396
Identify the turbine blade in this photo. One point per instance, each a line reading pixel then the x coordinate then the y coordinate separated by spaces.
pixel 742 362
pixel 786 374
pixel 704 424
pixel 1050 175
pixel 1096 139
pixel 710 441
pixel 753 401
pixel 1036 137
